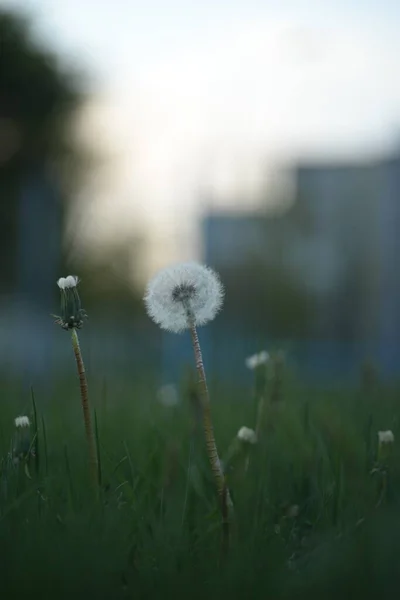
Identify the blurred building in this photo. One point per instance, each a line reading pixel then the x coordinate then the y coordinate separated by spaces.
pixel 339 241
pixel 31 241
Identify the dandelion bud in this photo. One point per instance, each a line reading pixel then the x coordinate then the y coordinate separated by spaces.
pixel 256 360
pixel 71 281
pixel 386 437
pixel 22 439
pixel 72 314
pixel 385 445
pixel 22 421
pixel 168 395
pixel 247 435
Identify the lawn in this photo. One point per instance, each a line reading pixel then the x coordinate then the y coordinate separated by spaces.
pixel 315 500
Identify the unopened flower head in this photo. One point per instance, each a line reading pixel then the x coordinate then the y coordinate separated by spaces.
pixel 386 437
pixel 72 313
pixel 182 292
pixel 68 282
pixel 256 360
pixel 22 421
pixel 168 395
pixel 245 434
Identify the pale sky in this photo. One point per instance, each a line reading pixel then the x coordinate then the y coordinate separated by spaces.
pixel 213 95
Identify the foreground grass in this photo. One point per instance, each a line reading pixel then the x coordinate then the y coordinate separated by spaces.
pixel 310 519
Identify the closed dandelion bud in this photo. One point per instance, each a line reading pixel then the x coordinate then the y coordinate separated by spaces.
pixel 72 313
pixel 386 437
pixel 257 360
pixel 258 363
pixel 240 445
pixel 385 444
pixel 247 435
pixel 22 439
pixel 21 422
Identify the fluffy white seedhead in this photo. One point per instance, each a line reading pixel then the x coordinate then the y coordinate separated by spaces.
pixel 61 283
pixel 386 437
pixel 22 422
pixel 245 434
pixel 168 395
pixel 176 287
pixel 252 362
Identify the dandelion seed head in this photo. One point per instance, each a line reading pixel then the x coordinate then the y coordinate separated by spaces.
pixel 245 434
pixel 386 437
pixel 22 421
pixel 180 287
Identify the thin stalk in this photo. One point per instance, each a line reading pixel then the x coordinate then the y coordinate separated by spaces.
pixel 93 462
pixel 226 504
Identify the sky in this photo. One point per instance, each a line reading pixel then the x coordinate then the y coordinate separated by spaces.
pixel 198 105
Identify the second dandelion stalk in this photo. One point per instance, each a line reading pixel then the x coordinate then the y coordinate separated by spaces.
pixel 71 319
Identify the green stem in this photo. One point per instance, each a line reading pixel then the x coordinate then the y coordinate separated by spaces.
pixel 85 407
pixel 226 504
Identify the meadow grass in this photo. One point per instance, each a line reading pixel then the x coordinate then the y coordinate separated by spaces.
pixel 310 518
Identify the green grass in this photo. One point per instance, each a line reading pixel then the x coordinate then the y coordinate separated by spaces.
pixel 155 532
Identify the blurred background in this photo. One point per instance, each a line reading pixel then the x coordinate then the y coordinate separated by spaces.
pixel 260 138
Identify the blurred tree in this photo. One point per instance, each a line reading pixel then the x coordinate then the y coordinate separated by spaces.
pixel 42 167
pixel 37 102
pixel 110 281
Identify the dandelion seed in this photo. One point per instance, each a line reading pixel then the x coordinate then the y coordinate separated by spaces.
pixel 187 288
pixel 245 434
pixel 168 395
pixel 256 360
pixel 386 437
pixel 22 422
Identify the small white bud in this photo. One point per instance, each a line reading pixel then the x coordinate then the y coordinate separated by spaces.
pixel 168 395
pixel 254 361
pixel 71 281
pixel 245 434
pixel 61 283
pixel 22 421
pixel 386 437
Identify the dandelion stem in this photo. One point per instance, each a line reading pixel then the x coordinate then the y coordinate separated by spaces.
pixel 223 492
pixel 93 463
